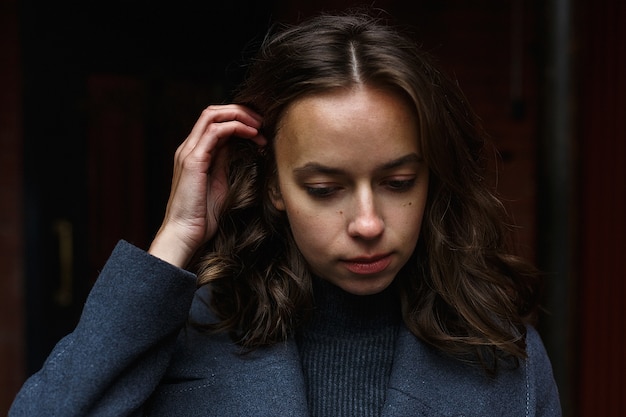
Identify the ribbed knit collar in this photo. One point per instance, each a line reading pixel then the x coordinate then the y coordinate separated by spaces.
pixel 338 312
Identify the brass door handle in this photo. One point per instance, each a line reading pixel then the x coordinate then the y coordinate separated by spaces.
pixel 64 294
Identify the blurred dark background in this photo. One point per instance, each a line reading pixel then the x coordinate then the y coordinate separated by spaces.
pixel 95 97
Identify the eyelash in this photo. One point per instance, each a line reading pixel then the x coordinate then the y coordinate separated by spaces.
pixel 321 192
pixel 401 185
pixel 397 186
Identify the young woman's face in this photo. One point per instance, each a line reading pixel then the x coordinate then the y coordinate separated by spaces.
pixel 353 184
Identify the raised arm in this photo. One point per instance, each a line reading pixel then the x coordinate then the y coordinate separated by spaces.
pixel 119 351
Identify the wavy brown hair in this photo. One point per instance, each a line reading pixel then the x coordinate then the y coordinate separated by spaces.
pixel 462 291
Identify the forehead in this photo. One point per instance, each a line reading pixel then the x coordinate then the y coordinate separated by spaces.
pixel 347 126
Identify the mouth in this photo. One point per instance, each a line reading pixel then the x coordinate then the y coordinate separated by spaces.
pixel 368 265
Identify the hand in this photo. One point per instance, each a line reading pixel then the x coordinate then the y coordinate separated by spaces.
pixel 199 181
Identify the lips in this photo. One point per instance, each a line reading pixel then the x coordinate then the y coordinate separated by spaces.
pixel 368 265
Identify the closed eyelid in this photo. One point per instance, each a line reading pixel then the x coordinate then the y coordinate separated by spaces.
pixel 321 190
pixel 400 184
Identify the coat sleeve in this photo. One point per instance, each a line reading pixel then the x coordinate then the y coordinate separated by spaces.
pixel 122 345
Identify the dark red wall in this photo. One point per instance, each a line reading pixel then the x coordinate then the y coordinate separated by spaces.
pixel 602 289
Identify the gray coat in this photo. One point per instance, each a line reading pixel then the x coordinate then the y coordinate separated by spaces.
pixel 129 357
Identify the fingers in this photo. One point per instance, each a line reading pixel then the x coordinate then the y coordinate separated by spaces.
pixel 225 114
pixel 199 180
pixel 216 124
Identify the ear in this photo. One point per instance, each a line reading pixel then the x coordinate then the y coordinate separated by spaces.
pixel 276 197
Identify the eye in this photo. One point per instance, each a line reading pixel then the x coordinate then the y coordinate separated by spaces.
pixel 321 191
pixel 400 185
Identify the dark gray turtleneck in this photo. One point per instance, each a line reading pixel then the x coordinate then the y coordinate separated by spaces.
pixel 347 349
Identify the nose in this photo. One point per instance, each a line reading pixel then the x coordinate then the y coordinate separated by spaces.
pixel 366 222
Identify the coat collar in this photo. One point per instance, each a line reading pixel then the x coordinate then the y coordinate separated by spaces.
pixel 270 381
pixel 271 378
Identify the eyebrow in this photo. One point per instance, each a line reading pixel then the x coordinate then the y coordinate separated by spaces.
pixel 317 168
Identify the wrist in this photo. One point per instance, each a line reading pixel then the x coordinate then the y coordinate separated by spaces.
pixel 171 250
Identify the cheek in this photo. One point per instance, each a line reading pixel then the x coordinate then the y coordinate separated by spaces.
pixel 313 230
pixel 309 238
pixel 410 219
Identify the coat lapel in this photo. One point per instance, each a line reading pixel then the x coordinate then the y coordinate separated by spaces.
pixel 426 382
pixel 210 376
pixel 405 391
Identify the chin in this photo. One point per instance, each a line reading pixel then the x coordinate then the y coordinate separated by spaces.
pixel 365 287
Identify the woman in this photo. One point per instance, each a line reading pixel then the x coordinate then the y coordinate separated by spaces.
pixel 352 258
